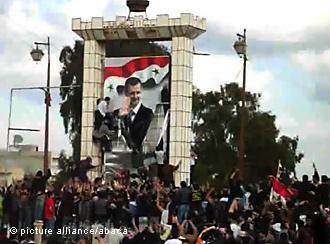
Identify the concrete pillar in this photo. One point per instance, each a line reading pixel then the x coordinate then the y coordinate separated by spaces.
pixel 181 107
pixel 38 224
pixel 94 53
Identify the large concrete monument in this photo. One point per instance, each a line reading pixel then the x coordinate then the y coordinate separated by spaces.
pixel 181 32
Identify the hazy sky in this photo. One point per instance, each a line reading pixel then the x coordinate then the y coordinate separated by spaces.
pixel 288 50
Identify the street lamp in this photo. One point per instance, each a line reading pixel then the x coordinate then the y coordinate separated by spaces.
pixel 240 48
pixel 37 55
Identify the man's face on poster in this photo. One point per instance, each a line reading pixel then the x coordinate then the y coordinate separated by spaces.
pixel 134 93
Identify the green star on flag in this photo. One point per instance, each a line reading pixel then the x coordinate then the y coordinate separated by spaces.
pixel 156 71
pixel 110 87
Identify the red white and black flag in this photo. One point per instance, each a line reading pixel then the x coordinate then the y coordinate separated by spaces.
pixel 282 189
pixel 153 71
pixel 278 187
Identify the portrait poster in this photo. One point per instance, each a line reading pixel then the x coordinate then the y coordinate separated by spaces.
pixel 153 74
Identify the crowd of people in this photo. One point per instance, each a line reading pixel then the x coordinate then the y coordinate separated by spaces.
pixel 151 212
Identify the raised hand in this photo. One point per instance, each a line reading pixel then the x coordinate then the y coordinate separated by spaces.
pixel 125 108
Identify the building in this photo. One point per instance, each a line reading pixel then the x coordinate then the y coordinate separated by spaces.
pixel 19 161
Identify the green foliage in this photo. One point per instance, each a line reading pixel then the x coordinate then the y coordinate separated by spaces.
pixel 71 107
pixel 287 148
pixel 65 165
pixel 216 125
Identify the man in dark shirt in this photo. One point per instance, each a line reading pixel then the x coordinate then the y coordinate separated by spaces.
pixel 143 202
pixel 82 168
pixel 323 191
pixel 38 191
pixel 39 181
pixel 166 172
pixel 305 187
pixel 183 200
pixel 235 186
pixel 66 207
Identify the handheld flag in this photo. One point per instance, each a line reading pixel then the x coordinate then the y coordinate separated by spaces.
pixel 282 189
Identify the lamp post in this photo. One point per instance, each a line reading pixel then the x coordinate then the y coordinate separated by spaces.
pixel 240 48
pixel 37 55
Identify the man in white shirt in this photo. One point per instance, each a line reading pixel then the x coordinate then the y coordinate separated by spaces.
pixel 104 106
pixel 100 114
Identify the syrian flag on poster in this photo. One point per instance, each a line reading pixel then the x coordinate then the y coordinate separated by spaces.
pixel 153 71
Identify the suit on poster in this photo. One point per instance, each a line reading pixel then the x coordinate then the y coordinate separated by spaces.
pixel 135 118
pixel 138 125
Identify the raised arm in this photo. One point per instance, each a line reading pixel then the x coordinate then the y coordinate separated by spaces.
pixel 195 230
pixel 181 228
pixel 233 207
pixel 232 176
pixel 160 208
pixel 134 226
pixel 208 195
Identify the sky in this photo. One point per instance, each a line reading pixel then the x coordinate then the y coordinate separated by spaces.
pixel 288 52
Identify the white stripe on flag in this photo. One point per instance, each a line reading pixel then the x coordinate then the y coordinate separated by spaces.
pixel 117 62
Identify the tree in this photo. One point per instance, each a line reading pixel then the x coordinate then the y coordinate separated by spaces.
pixel 216 126
pixel 71 107
pixel 65 165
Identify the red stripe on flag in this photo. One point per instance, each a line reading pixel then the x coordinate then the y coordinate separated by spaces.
pixel 134 65
pixel 282 189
